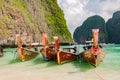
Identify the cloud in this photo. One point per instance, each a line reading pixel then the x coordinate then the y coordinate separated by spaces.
pixel 77 11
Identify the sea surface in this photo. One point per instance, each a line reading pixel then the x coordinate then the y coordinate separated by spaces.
pixel 36 68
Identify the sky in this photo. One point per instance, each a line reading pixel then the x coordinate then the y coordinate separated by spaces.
pixel 77 11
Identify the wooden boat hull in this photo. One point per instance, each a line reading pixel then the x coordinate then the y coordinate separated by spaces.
pixel 59 56
pixel 93 58
pixel 1 54
pixel 1 51
pixel 26 54
pixel 52 51
pixel 48 53
pixel 63 56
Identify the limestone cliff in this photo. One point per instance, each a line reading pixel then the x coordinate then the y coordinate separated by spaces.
pixel 30 18
pixel 83 32
pixel 113 28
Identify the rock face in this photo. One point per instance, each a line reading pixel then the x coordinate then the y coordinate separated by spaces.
pixel 113 28
pixel 30 18
pixel 83 32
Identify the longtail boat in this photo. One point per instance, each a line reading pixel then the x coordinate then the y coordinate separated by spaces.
pixel 48 50
pixel 94 54
pixel 52 51
pixel 1 51
pixel 24 53
pixel 62 55
pixel 1 54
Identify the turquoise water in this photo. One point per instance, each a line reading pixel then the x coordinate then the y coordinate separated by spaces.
pixel 111 61
pixel 37 69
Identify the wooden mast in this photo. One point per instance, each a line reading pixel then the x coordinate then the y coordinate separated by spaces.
pixel 18 40
pixel 44 39
pixel 44 44
pixel 95 37
pixel 57 46
pixel 19 46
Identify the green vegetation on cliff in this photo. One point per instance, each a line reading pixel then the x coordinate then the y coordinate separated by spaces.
pixel 32 16
pixel 113 28
pixel 55 19
pixel 83 33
